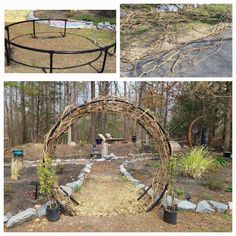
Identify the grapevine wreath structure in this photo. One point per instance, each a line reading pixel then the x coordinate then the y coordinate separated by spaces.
pixel 118 105
pixel 102 51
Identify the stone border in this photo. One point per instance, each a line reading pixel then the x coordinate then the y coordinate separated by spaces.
pixel 137 183
pixel 80 180
pixel 204 206
pixel 11 220
pixel 57 161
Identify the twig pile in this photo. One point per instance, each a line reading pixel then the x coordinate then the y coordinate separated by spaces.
pixel 163 45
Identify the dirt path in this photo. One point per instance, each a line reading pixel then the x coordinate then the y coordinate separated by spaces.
pixel 107 193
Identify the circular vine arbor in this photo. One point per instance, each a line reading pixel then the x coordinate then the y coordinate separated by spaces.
pixel 121 106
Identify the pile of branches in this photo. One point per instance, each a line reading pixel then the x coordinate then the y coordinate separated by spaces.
pixel 181 55
pixel 120 106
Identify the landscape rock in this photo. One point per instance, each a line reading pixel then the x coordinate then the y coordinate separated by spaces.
pixel 167 201
pixel 67 189
pixel 88 165
pixel 140 186
pixel 7 216
pixel 128 175
pixel 218 206
pixel 72 144
pixel 75 184
pixel 107 157
pixel 37 206
pixel 204 207
pixel 99 160
pixel 175 146
pixel 186 206
pixel 230 206
pixel 86 170
pixel 122 168
pixel 81 175
pixel 42 210
pixel 22 217
pixel 134 181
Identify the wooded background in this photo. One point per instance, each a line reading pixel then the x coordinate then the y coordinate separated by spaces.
pixel 32 108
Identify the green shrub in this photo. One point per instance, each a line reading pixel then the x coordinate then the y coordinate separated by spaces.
pixel 197 162
pixel 179 192
pixel 229 189
pixel 47 177
pixel 221 161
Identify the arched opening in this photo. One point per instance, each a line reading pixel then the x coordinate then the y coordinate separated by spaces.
pixel 120 106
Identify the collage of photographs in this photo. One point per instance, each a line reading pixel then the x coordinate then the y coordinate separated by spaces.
pixel 117 116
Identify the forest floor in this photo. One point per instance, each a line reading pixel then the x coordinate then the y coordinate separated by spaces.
pixel 75 40
pixel 173 45
pixel 108 201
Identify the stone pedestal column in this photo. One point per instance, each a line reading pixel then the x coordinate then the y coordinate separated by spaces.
pixel 104 149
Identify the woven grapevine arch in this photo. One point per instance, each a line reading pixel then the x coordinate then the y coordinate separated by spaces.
pixel 118 105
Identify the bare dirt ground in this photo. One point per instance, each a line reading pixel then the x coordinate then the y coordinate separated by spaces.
pixel 33 151
pixel 108 203
pixel 75 40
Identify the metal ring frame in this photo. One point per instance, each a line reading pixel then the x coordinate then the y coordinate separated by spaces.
pixel 8 42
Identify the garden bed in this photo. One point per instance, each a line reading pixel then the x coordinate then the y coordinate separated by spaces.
pixel 19 195
pixel 212 186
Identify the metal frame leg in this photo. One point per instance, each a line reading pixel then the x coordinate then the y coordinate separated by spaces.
pixel 33 34
pixel 104 60
pixel 51 62
pixel 7 53
pixel 64 34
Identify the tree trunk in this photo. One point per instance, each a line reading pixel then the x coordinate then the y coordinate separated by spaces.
pixel 93 115
pixel 23 117
pixel 228 119
pixel 126 129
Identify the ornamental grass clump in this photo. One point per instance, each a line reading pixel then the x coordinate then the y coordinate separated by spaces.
pixel 196 162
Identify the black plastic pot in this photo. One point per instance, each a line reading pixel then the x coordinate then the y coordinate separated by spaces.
pixel 227 154
pixel 98 141
pixel 134 139
pixel 53 214
pixel 170 217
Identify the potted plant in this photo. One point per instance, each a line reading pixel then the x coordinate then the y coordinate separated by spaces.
pixel 134 138
pixel 52 211
pixel 170 210
pixel 227 153
pixel 98 140
pixel 47 179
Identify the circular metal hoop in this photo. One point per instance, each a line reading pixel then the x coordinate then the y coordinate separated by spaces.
pixel 102 51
